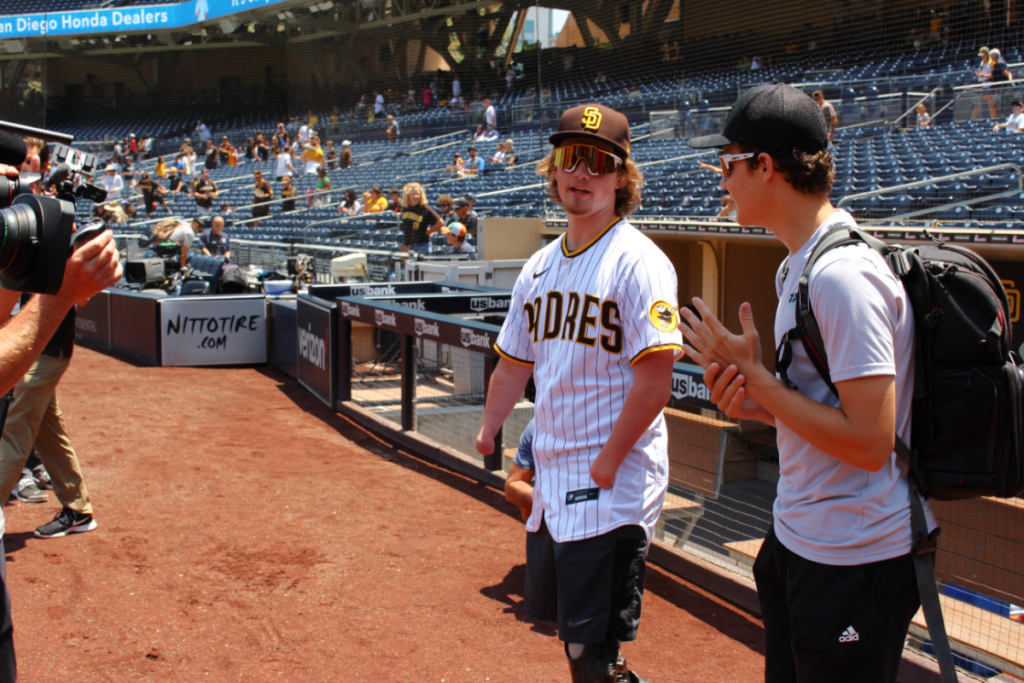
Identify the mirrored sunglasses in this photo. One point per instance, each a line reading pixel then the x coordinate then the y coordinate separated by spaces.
pixel 597 160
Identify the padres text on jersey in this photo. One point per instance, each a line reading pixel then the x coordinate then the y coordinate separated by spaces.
pixel 582 319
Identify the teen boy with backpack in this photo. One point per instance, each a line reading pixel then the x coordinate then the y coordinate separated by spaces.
pixel 835 575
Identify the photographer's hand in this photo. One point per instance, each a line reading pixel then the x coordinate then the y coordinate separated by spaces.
pixel 92 267
pixel 9 171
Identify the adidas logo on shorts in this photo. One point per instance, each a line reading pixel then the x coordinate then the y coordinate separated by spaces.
pixel 849 635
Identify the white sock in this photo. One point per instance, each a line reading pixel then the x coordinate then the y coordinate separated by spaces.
pixel 575 650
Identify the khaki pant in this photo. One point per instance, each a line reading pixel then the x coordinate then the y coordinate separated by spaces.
pixel 34 418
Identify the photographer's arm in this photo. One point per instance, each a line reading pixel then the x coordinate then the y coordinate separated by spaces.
pixel 91 268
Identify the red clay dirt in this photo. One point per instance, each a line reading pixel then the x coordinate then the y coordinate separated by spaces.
pixel 247 533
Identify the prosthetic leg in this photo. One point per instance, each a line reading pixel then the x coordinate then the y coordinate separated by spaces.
pixel 601 664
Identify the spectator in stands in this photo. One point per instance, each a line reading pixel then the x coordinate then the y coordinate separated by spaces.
pixel 457 244
pixel 262 193
pixel 228 156
pixel 250 149
pixel 225 209
pixel 393 130
pixel 161 168
pixel 828 112
pixel 471 198
pixel 1014 122
pixel 345 158
pixel 984 76
pixel 378 103
pixel 152 193
pixel 174 183
pixel 419 221
pixel 262 148
pixel 304 133
pixel 211 153
pixel 133 147
pixel 203 132
pixel 322 188
pixel 128 178
pixel 923 119
pixel 478 136
pixel 474 164
pixel 118 152
pixel 284 164
pixel 756 64
pixel 499 156
pixel 213 241
pixel 332 155
pixel 288 192
pixel 112 182
pixel 462 211
pixel 490 115
pixel 204 191
pixel 177 231
pixel 457 164
pixel 634 91
pixel 1000 71
pixel 147 146
pixel 446 210
pixel 360 109
pixel 600 79
pixel 351 206
pixel 511 158
pixel 491 133
pixel 395 200
pixel 313 155
pixel 376 202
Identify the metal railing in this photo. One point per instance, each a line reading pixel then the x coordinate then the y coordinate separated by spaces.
pixel 941 179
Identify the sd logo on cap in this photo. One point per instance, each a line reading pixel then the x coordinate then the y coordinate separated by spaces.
pixel 597 122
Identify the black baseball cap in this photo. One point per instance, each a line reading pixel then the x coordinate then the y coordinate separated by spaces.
pixel 460 202
pixel 776 115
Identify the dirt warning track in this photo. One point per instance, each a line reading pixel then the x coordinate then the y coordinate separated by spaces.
pixel 247 533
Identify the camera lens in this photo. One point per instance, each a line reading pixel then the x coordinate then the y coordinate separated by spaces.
pixel 9 189
pixel 19 230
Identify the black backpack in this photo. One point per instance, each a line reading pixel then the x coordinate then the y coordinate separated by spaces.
pixel 966 418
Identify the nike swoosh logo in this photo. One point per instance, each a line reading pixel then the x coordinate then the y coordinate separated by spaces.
pixel 537 275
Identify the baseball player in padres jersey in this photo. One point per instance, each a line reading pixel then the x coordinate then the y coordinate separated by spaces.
pixel 593 317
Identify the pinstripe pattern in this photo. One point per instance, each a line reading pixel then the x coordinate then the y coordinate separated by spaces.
pixel 603 294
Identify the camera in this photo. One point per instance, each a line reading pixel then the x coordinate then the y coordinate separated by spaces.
pixel 37 232
pixel 159 271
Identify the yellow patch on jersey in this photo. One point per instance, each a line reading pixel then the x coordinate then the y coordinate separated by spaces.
pixel 664 316
pixel 592 118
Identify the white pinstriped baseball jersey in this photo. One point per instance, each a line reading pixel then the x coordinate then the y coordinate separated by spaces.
pixel 581 319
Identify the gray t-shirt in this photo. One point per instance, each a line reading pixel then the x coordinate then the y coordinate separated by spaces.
pixel 827 511
pixel 183 235
pixel 524 456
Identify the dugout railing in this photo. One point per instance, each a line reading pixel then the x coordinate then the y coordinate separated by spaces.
pixel 429 384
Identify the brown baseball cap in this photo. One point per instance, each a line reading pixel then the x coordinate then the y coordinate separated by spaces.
pixel 594 121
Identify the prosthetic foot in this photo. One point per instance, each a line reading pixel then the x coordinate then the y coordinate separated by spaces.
pixel 624 675
pixel 596 664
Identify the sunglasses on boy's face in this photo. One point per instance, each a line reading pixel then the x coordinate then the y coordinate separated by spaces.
pixel 597 160
pixel 727 159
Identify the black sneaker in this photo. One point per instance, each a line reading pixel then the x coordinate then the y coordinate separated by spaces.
pixel 67 522
pixel 27 491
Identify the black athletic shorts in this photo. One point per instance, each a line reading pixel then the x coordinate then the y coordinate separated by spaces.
pixel 841 624
pixel 593 588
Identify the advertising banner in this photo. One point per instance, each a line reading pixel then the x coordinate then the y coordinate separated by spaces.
pixel 145 18
pixel 222 330
pixel 314 320
pixel 92 322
